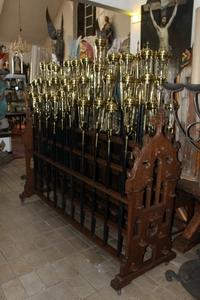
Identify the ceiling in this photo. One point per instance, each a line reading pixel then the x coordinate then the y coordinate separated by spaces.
pixel 34 28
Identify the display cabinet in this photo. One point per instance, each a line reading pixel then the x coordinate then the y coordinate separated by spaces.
pixel 16 84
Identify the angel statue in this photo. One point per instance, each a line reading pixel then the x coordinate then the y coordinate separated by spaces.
pixel 57 36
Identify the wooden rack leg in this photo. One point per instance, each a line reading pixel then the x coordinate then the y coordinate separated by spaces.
pixel 28 144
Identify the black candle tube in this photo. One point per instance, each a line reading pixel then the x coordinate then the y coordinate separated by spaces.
pixel 140 124
pixel 108 162
pixel 95 154
pixel 82 152
pixel 122 187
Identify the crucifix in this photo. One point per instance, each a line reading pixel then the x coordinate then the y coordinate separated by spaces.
pixel 163 27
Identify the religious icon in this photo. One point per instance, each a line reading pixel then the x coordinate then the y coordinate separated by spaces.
pixel 162 29
pixel 85 50
pixel 107 31
pixel 167 24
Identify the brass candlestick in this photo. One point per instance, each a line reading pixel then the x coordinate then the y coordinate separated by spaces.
pixel 161 65
pixel 147 61
pixel 101 45
pixel 83 104
pixel 130 104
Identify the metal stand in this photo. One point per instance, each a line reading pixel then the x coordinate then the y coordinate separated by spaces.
pixel 189 276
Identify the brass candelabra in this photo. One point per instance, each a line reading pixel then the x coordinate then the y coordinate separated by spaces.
pixel 117 93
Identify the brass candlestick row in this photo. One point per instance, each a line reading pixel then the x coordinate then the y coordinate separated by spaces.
pixel 117 93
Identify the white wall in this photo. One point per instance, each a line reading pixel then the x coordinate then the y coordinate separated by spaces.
pixel 196 5
pixel 196 47
pixel 135 36
pixel 135 29
pixel 120 21
pixel 120 4
pixel 127 5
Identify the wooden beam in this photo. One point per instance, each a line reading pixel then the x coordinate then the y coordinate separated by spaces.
pixel 156 5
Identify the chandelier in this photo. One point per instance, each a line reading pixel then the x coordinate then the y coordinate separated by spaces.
pixel 20 46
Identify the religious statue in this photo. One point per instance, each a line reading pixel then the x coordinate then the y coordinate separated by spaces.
pixel 188 156
pixel 107 31
pixel 186 59
pixel 184 76
pixel 57 36
pixel 17 64
pixel 162 30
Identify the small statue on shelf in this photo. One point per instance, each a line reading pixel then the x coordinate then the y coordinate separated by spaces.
pixel 107 31
pixel 17 64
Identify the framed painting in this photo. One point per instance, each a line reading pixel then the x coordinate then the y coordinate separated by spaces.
pixel 179 32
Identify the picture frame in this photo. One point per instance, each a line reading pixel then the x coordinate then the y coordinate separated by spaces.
pixel 179 31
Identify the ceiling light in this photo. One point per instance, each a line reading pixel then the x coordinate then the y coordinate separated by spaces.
pixel 20 46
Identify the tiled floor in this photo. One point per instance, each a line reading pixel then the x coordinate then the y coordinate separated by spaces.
pixel 43 257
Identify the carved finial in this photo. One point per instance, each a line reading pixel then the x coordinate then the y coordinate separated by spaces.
pixel 146 139
pixel 136 151
pixel 159 121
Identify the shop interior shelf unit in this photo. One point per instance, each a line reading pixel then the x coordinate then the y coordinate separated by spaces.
pixel 16 84
pixel 15 92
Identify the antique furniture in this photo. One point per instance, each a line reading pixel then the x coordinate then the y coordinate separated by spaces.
pixel 134 225
pixel 104 155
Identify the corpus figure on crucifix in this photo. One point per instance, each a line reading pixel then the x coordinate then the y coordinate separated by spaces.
pixel 162 29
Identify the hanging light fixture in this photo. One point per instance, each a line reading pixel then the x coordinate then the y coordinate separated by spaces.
pixel 20 46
